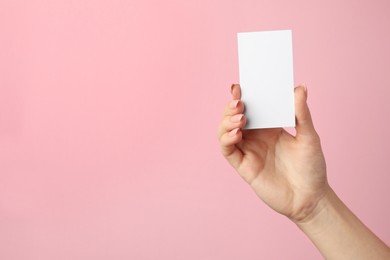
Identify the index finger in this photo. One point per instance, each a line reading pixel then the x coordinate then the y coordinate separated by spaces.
pixel 236 91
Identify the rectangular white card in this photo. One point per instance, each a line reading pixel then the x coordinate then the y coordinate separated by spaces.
pixel 266 78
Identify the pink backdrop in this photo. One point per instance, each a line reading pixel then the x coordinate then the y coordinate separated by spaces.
pixel 108 118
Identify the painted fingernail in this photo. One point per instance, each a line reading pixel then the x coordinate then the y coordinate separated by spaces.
pixel 231 88
pixel 234 103
pixel 233 132
pixel 236 118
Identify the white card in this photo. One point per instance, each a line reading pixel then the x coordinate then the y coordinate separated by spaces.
pixel 266 78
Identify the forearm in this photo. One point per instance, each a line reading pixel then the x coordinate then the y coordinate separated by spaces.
pixel 339 234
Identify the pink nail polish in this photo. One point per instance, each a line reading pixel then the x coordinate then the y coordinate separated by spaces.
pixel 236 118
pixel 231 88
pixel 234 103
pixel 233 132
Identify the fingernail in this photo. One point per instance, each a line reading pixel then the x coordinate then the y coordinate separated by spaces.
pixel 231 88
pixel 233 132
pixel 236 118
pixel 234 103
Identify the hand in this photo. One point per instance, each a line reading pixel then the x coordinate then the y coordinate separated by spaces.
pixel 287 172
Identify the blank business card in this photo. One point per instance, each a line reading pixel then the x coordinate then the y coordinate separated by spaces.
pixel 266 78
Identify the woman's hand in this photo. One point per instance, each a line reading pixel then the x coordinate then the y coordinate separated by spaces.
pixel 287 172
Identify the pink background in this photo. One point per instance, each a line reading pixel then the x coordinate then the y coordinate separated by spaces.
pixel 108 118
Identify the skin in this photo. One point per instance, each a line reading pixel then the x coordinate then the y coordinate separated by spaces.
pixel 288 172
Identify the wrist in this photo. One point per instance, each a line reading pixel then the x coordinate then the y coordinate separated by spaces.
pixel 321 214
pixel 339 234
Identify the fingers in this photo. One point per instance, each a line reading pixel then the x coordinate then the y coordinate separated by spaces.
pixel 304 123
pixel 235 106
pixel 233 114
pixel 232 122
pixel 228 141
pixel 230 128
pixel 229 149
pixel 235 91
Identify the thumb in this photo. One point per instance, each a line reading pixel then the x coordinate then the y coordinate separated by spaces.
pixel 304 124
